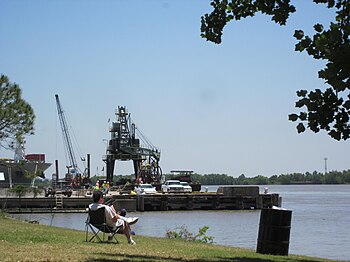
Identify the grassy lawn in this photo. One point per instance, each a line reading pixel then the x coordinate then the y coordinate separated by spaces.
pixel 21 241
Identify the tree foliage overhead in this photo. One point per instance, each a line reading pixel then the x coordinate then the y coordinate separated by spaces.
pixel 327 110
pixel 16 115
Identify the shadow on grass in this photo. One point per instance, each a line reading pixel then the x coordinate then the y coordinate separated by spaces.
pixel 124 257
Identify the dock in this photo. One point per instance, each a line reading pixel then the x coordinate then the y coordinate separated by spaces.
pixel 226 198
pixel 206 201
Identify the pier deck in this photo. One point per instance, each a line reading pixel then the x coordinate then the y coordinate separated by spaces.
pixel 156 202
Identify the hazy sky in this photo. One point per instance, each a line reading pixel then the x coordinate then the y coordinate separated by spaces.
pixel 209 108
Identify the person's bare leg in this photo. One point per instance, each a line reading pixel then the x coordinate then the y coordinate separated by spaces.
pixel 127 233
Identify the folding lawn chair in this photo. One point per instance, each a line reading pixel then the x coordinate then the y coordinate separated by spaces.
pixel 96 222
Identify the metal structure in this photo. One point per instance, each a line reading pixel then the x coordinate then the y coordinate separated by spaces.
pixel 124 145
pixel 73 172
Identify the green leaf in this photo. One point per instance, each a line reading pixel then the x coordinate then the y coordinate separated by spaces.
pixel 293 117
pixel 302 102
pixel 347 104
pixel 336 135
pixel 302 93
pixel 318 28
pixel 299 34
pixel 303 116
pixel 300 128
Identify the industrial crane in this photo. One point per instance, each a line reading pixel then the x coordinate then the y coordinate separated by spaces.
pixel 74 173
pixel 124 145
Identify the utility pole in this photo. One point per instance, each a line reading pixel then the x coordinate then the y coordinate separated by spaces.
pixel 325 165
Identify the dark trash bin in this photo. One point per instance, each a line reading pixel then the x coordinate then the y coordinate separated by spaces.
pixel 274 231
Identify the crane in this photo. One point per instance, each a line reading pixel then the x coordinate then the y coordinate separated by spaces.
pixel 74 173
pixel 123 145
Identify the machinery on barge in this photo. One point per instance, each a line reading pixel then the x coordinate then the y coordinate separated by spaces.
pixel 74 176
pixel 128 143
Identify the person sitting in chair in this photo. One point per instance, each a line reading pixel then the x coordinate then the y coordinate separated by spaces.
pixel 112 217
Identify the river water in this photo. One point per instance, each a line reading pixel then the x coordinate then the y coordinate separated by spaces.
pixel 320 221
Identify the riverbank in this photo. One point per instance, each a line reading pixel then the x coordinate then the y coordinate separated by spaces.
pixel 21 241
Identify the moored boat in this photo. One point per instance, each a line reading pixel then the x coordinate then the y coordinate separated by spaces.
pixel 22 168
pixel 15 172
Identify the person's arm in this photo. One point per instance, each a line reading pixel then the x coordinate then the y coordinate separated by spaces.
pixel 112 207
pixel 114 214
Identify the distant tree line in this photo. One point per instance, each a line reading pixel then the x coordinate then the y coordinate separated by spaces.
pixel 333 177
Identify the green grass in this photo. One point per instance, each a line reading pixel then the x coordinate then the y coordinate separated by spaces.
pixel 21 241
